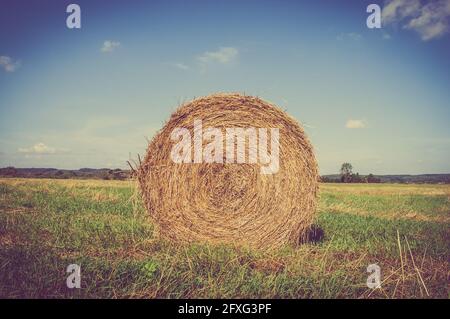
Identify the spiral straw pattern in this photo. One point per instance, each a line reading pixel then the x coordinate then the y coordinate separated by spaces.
pixel 225 202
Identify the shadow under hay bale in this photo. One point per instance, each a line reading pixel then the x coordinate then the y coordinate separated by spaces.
pixel 313 235
pixel 223 202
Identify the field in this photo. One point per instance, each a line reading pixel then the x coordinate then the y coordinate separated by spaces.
pixel 45 225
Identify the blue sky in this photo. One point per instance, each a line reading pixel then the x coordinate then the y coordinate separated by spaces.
pixel 89 97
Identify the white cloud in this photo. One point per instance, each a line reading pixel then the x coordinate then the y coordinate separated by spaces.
pixel 181 66
pixel 9 64
pixel 430 20
pixel 223 55
pixel 355 124
pixel 110 46
pixel 39 148
pixel 395 10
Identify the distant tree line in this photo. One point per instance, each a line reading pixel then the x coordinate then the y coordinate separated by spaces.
pixel 347 176
pixel 83 173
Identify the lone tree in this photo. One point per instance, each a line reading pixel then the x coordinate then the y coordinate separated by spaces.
pixel 346 173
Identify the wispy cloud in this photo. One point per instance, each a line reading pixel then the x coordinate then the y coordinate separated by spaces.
pixel 9 64
pixel 308 125
pixel 430 20
pixel 394 10
pixel 41 149
pixel 180 66
pixel 355 124
pixel 223 55
pixel 349 36
pixel 97 141
pixel 110 46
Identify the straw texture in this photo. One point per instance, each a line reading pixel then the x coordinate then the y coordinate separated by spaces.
pixel 231 203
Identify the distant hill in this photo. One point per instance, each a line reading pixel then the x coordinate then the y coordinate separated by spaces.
pixel 83 173
pixel 120 174
pixel 403 179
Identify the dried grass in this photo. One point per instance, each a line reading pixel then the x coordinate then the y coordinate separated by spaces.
pixel 231 203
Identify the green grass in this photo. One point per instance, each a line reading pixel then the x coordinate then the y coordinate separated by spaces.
pixel 45 225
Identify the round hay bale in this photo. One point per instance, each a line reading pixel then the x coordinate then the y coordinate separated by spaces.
pixel 225 201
